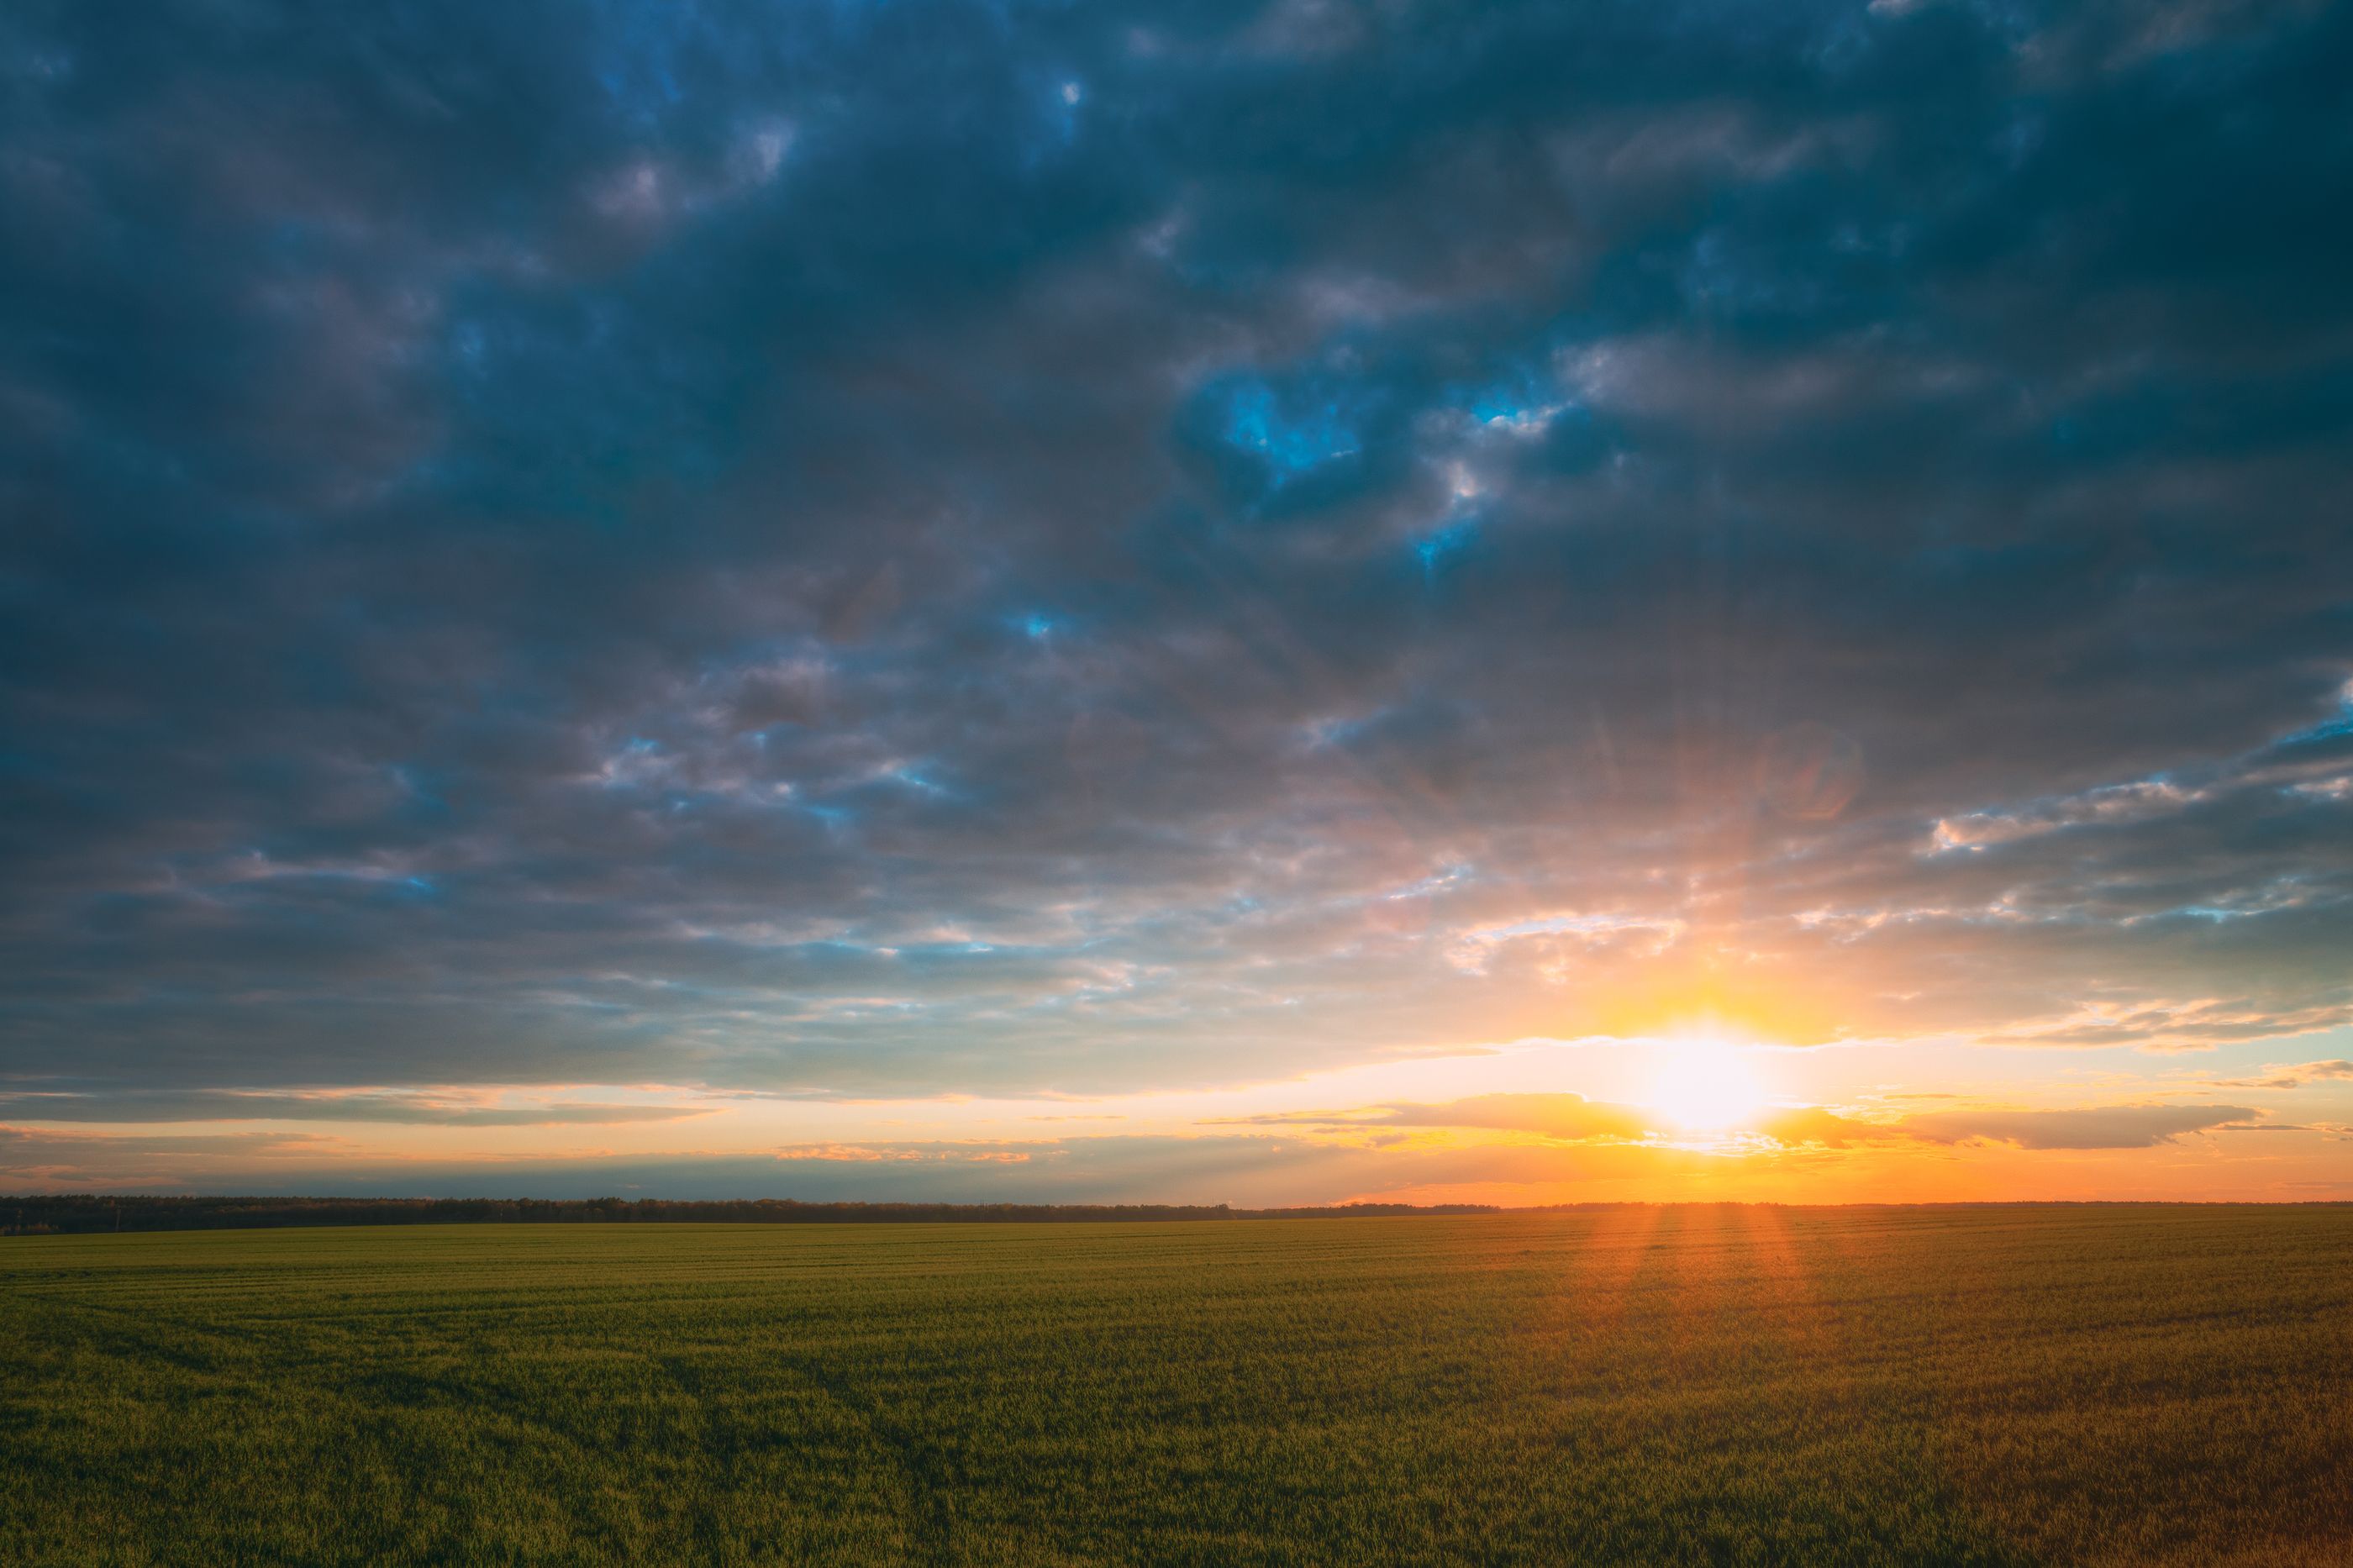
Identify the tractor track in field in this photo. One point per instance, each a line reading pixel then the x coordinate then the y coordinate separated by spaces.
pixel 931 1480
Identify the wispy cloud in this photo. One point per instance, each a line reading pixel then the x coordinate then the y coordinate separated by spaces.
pixel 2293 1076
pixel 1565 1116
pixel 2104 1127
pixel 388 1107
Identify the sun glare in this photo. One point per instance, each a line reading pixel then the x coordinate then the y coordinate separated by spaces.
pixel 1705 1084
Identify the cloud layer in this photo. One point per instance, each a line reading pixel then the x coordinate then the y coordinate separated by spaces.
pixel 920 548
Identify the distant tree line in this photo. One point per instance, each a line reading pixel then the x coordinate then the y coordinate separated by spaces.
pixel 77 1213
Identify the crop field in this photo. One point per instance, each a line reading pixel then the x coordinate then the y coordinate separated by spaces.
pixel 1702 1385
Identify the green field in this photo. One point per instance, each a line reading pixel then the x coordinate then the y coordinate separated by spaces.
pixel 2063 1385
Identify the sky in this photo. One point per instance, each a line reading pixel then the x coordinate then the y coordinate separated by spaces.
pixel 1272 603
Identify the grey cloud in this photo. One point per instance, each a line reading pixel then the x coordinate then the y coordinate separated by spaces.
pixel 2295 1075
pixel 2105 1127
pixel 1242 1170
pixel 43 1159
pixel 939 547
pixel 201 1105
pixel 1564 1116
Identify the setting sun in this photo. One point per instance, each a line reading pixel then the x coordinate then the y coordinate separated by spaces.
pixel 1705 1084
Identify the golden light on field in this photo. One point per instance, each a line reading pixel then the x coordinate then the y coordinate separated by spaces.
pixel 1702 1082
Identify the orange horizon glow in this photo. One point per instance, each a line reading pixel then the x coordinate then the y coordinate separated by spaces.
pixel 1706 1112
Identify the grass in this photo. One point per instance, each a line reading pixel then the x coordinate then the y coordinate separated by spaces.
pixel 1701 1385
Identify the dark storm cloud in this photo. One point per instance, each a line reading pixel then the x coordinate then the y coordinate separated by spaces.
pixel 929 547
